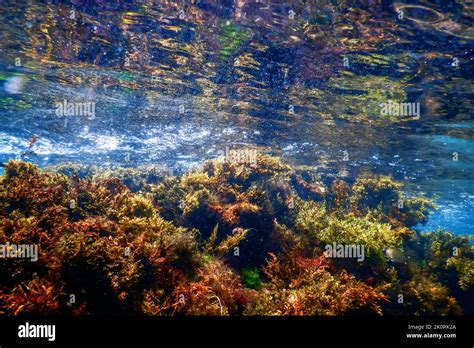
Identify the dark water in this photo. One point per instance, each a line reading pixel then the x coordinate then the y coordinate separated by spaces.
pixel 176 82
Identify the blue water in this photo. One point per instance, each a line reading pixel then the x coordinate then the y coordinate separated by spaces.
pixel 176 91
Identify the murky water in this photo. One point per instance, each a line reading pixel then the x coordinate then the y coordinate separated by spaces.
pixel 176 82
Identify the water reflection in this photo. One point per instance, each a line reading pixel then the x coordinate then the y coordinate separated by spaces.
pixel 175 82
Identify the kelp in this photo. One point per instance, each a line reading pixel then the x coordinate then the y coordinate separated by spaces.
pixel 230 238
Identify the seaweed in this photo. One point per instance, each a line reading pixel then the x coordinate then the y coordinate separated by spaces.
pixel 230 238
pixel 308 288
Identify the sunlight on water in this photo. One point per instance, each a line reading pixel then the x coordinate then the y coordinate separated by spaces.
pixel 178 83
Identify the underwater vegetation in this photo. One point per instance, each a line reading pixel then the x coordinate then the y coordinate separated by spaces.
pixel 229 238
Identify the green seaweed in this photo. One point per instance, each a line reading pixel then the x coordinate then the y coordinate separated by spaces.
pixel 251 279
pixel 231 38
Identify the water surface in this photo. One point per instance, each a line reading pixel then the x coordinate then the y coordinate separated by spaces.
pixel 176 82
